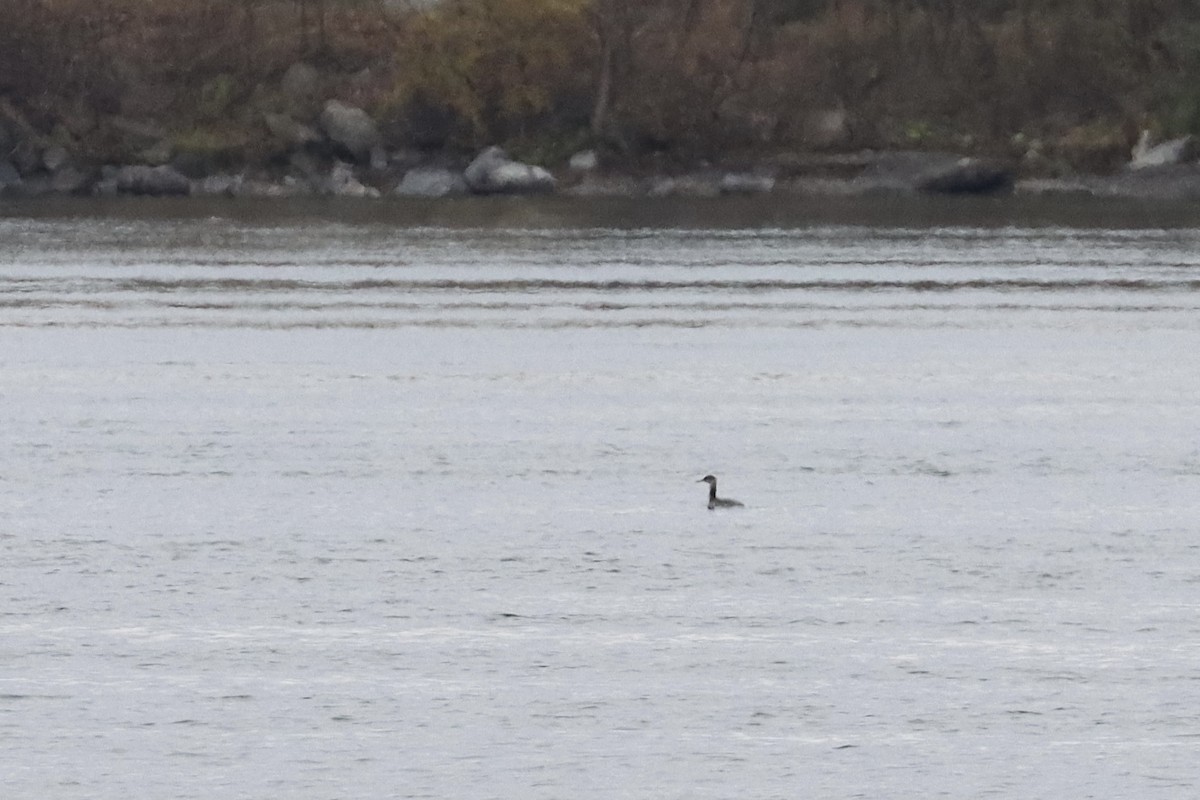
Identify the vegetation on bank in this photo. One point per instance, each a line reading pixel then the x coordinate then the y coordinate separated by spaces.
pixel 684 79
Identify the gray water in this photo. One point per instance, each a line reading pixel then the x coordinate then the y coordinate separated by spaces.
pixel 307 508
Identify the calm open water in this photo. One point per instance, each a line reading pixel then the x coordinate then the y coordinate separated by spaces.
pixel 315 507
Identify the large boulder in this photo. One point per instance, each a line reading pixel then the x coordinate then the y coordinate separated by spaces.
pixel 342 182
pixel 431 182
pixel 140 179
pixel 493 172
pixel 746 183
pixel 55 158
pixel 351 129
pixel 827 129
pixel 222 184
pixel 584 161
pixel 69 179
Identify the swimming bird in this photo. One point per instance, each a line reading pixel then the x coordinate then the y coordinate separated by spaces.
pixel 713 500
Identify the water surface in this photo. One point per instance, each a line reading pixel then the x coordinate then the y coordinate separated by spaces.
pixel 316 505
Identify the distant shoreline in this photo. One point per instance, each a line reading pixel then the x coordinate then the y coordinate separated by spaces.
pixel 549 212
pixel 898 174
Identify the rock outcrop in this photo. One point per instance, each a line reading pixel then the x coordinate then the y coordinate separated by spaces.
pixel 746 183
pixel 493 172
pixel 351 129
pixel 342 182
pixel 584 161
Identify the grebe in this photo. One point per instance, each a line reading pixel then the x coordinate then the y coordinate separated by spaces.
pixel 713 500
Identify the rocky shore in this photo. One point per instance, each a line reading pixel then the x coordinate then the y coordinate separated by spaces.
pixel 336 149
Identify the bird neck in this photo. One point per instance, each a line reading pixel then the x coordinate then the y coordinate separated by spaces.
pixel 712 492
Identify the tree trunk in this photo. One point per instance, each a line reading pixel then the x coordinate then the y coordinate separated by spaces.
pixel 604 86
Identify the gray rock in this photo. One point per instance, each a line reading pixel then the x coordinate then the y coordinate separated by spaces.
pixel 699 185
pixel 160 181
pixel 431 182
pixel 343 183
pixel 70 180
pixel 351 129
pixel 827 129
pixel 493 172
pixel 55 157
pixel 746 183
pixel 289 131
pixel 1173 151
pixel 378 158
pixel 218 185
pixel 584 161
